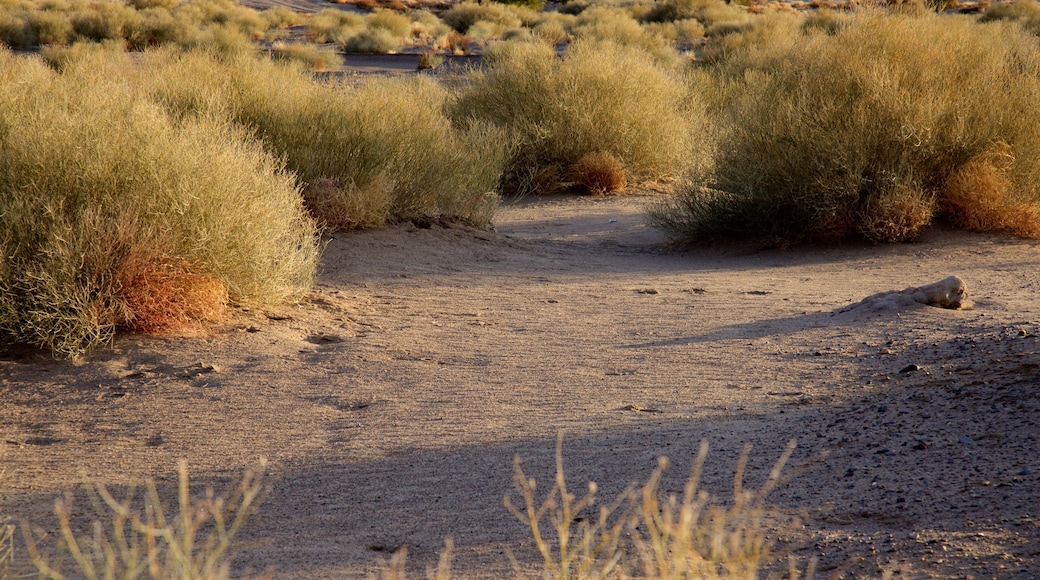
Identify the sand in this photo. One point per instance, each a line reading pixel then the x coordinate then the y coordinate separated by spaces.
pixel 390 403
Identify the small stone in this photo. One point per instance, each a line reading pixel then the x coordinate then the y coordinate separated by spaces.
pixel 1026 471
pixel 909 369
pixel 965 440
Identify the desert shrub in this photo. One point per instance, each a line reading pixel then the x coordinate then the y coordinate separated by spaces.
pixel 138 24
pixel 871 131
pixel 552 32
pixel 145 4
pixel 383 151
pixel 397 24
pixel 221 39
pixel 373 41
pixel 15 31
pixel 600 97
pixel 103 21
pixel 483 31
pixel 616 26
pixel 1024 12
pixel 464 15
pixel 315 57
pixel 281 17
pixel 97 183
pixel 829 21
pixel 50 27
pixel 980 196
pixel 58 56
pixel 331 25
pixel 426 25
pixel 754 42
pixel 158 27
pixel 532 5
pixel 458 43
pixel 707 11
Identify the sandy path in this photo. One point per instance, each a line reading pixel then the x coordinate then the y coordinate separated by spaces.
pixel 392 402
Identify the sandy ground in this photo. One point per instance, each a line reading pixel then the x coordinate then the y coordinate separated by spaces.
pixel 391 403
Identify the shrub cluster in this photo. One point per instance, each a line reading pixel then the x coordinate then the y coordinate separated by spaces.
pixel 380 152
pixel 558 112
pixel 115 214
pixel 873 128
pixel 137 24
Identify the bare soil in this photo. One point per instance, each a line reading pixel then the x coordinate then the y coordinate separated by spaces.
pixel 391 402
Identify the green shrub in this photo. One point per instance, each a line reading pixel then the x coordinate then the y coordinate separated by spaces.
pixel 380 152
pixel 600 97
pixel 872 131
pixel 105 199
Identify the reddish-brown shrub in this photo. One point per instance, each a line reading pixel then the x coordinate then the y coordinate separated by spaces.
pixel 978 196
pixel 598 173
pixel 164 294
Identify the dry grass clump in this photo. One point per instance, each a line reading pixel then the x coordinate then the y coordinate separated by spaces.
pixel 871 129
pixel 384 148
pixel 600 97
pixel 130 540
pixel 642 535
pixel 598 173
pixel 97 177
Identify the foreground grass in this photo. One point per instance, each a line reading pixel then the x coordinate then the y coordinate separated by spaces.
pixel 641 534
pixel 872 127
pixel 113 214
pixel 133 541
